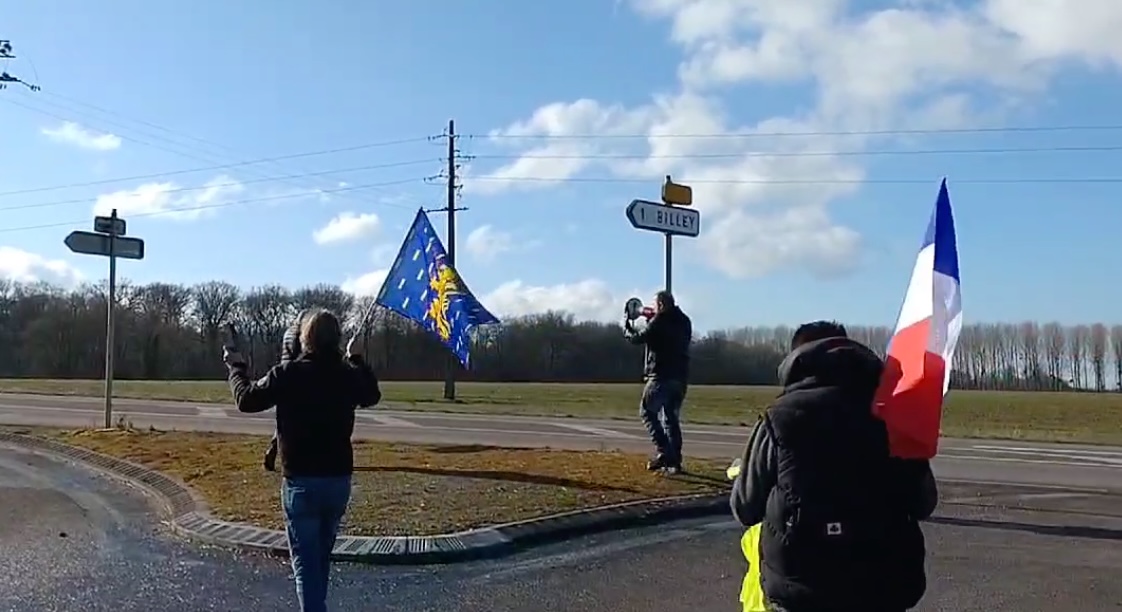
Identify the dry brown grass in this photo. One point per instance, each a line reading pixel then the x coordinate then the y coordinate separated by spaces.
pixel 402 489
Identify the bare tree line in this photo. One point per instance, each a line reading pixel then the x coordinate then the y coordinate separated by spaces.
pixel 173 332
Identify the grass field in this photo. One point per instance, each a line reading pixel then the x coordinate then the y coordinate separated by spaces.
pixel 403 489
pixel 1082 417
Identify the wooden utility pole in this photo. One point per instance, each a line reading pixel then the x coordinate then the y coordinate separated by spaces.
pixel 450 366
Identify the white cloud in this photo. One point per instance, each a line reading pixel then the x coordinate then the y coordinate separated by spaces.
pixel 1049 29
pixel 485 243
pixel 367 284
pixel 170 200
pixel 25 267
pixel 383 254
pixel 347 227
pixel 568 156
pixel 590 299
pixel 913 65
pixel 72 133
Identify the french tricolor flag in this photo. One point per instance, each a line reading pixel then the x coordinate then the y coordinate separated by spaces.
pixel 918 367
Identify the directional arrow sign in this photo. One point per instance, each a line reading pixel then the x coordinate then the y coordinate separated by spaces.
pixel 89 243
pixel 655 217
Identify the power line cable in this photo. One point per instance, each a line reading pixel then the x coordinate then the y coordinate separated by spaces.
pixel 221 166
pixel 212 168
pixel 349 188
pixel 236 154
pixel 231 184
pixel 896 132
pixel 856 153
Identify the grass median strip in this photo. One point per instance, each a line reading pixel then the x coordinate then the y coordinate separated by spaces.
pixel 403 489
pixel 1074 417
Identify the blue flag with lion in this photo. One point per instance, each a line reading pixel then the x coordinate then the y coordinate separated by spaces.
pixel 424 288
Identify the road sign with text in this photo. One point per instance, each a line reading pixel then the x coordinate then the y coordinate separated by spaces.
pixel 656 217
pixel 89 243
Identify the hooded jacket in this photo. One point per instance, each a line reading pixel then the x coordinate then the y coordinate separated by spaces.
pixel 290 344
pixel 840 516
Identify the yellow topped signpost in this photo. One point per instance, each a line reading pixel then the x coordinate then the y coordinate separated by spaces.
pixel 674 194
pixel 666 217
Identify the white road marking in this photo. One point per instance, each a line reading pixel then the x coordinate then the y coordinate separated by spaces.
pixel 388 421
pixel 212 412
pixel 1026 485
pixel 1098 458
pixel 1085 463
pixel 1048 450
pixel 1057 495
pixel 596 431
pixel 585 555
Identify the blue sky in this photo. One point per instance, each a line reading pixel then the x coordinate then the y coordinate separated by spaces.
pixel 602 96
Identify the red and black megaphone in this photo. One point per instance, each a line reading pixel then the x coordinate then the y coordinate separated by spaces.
pixel 634 309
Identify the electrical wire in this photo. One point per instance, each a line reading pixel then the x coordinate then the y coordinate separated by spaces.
pixel 871 153
pixel 230 184
pixel 349 188
pixel 209 168
pixel 896 132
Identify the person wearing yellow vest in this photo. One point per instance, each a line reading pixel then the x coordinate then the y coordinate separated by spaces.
pixel 836 517
pixel 751 591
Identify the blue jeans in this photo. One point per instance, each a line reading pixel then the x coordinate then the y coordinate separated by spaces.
pixel 313 509
pixel 661 409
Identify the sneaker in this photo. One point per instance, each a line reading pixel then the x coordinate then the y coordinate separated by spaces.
pixel 271 458
pixel 657 463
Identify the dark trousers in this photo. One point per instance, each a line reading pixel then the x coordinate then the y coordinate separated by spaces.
pixel 313 509
pixel 661 409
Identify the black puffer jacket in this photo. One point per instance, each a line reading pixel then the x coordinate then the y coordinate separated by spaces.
pixel 840 515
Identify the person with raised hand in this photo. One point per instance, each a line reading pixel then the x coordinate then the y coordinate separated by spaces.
pixel 315 396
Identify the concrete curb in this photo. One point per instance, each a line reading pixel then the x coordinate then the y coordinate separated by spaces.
pixel 190 516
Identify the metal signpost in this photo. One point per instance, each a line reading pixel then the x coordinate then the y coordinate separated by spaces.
pixel 666 217
pixel 107 240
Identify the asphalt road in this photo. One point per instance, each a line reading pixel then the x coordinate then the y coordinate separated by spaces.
pixel 1089 467
pixel 75 540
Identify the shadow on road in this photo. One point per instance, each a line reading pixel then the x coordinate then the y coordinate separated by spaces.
pixel 537 479
pixel 462 449
pixel 1065 531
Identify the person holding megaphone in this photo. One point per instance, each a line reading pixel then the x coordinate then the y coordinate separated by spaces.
pixel 667 337
pixel 315 395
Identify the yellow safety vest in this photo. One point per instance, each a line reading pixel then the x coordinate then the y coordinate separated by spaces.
pixel 751 592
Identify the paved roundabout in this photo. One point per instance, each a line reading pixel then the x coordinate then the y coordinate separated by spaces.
pixel 994 548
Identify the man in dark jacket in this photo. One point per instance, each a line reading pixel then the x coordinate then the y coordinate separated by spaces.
pixel 667 338
pixel 840 515
pixel 290 350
